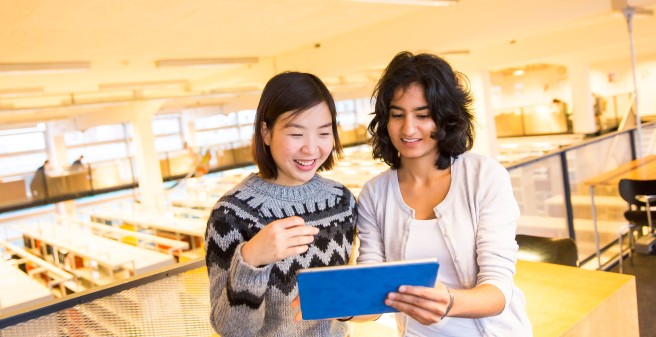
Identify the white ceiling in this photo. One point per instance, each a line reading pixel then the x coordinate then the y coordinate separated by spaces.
pixel 345 43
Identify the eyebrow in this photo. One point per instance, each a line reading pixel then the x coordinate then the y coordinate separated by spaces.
pixel 294 125
pixel 420 108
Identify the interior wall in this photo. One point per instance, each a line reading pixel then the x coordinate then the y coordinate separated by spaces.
pixel 615 77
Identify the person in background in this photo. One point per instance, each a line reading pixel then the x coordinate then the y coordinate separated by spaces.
pixel 78 161
pixel 38 183
pixel 439 200
pixel 284 218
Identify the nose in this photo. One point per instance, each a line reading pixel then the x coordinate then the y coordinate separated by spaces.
pixel 310 145
pixel 408 127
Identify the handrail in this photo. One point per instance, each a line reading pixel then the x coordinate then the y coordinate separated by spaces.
pixel 7 320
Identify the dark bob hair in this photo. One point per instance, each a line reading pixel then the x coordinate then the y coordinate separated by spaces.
pixel 295 92
pixel 449 102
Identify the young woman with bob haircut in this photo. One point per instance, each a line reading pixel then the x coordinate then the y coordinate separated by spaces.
pixel 282 219
pixel 439 200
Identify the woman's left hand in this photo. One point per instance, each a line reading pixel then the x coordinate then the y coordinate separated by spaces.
pixel 425 305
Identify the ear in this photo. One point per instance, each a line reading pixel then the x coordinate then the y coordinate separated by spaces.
pixel 266 134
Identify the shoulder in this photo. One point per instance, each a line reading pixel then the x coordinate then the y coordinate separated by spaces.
pixel 382 179
pixel 471 162
pixel 334 187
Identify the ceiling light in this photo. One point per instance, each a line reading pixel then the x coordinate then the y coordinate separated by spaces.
pixel 142 85
pixel 18 92
pixel 43 68
pixel 205 62
pixel 411 2
pixel 518 72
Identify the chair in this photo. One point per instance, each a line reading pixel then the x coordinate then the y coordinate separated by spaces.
pixel 641 196
pixel 551 250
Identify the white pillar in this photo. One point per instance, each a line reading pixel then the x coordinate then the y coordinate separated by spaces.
pixel 486 134
pixel 56 146
pixel 188 128
pixel 583 118
pixel 151 187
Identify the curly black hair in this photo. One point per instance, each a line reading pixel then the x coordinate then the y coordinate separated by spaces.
pixel 449 101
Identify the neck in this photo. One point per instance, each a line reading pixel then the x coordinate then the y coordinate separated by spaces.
pixel 419 169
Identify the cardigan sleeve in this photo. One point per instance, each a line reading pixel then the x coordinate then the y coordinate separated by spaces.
pixel 496 247
pixel 370 234
pixel 237 290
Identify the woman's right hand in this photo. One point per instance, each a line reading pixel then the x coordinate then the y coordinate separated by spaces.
pixel 278 240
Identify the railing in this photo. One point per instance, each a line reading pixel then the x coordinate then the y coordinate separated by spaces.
pixel 170 302
pixel 40 188
pixel 555 201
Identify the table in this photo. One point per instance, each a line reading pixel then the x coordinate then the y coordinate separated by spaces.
pixel 111 254
pixel 564 301
pixel 159 221
pixel 31 292
pixel 639 169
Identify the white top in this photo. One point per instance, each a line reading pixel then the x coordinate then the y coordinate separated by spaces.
pixel 425 241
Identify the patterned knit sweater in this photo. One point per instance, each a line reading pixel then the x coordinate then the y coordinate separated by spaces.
pixel 255 301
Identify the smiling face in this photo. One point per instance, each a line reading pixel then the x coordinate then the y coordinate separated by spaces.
pixel 300 144
pixel 410 125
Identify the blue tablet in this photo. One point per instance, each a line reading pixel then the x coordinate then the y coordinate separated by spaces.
pixel 344 291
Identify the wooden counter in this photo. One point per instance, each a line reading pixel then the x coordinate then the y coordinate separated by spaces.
pixel 564 301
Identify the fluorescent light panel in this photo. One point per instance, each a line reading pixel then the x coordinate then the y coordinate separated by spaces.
pixel 43 68
pixel 18 92
pixel 142 85
pixel 205 62
pixel 411 2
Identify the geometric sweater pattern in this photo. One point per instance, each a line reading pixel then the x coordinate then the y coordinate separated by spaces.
pixel 256 300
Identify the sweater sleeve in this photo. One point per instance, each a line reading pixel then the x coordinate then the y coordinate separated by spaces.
pixel 237 290
pixel 495 240
pixel 370 235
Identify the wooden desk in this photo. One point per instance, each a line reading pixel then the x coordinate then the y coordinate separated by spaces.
pixel 19 291
pixel 572 302
pixel 564 301
pixel 639 169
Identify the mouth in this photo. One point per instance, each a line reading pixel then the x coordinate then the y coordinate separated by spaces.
pixel 410 140
pixel 305 163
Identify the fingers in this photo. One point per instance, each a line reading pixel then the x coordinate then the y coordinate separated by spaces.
pixel 420 314
pixel 426 305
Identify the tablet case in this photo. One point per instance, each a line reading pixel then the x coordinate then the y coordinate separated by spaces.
pixel 344 291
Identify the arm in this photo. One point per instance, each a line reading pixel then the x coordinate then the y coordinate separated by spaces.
pixel 239 270
pixel 370 235
pixel 236 289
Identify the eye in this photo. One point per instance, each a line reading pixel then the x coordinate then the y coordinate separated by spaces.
pixel 396 115
pixel 325 134
pixel 423 116
pixel 296 135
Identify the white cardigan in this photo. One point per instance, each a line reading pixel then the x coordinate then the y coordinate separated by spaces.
pixel 477 219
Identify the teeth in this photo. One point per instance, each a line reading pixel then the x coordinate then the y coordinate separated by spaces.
pixel 304 162
pixel 410 140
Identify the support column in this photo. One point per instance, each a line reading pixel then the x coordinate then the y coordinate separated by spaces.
pixel 56 146
pixel 583 118
pixel 149 174
pixel 486 133
pixel 57 155
pixel 188 128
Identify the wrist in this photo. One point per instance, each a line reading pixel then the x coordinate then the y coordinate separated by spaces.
pixel 449 305
pixel 246 256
